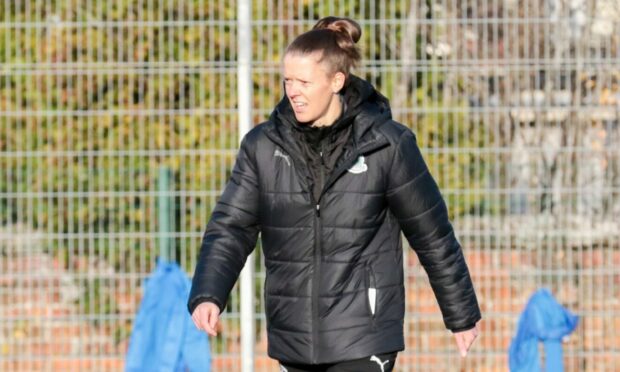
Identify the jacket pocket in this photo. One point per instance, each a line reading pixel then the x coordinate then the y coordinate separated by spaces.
pixel 371 291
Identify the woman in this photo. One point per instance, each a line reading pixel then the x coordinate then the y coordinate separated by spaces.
pixel 330 181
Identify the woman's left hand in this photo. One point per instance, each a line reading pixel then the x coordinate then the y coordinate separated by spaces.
pixel 465 339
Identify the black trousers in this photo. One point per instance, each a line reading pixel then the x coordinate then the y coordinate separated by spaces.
pixel 373 363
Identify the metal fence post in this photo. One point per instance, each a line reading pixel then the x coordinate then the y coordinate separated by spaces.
pixel 244 85
pixel 164 209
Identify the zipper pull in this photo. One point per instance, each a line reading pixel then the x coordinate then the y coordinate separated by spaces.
pixel 318 210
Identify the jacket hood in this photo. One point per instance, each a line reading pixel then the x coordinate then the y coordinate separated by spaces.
pixel 360 100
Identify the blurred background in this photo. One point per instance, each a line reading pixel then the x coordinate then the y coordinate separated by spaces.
pixel 118 131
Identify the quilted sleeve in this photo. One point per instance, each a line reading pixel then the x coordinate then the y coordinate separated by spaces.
pixel 415 200
pixel 230 236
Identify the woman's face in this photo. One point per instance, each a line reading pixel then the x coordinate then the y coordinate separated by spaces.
pixel 312 89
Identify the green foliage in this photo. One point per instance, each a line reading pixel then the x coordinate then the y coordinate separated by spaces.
pixel 97 298
pixel 452 141
pixel 94 109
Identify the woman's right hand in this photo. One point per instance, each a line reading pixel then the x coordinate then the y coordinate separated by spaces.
pixel 206 316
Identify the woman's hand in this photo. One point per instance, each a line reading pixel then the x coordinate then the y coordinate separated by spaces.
pixel 465 339
pixel 206 316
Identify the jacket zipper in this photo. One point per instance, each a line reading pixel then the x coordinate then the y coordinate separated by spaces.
pixel 315 283
pixel 317 265
pixel 322 172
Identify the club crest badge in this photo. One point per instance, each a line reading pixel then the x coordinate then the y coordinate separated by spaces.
pixel 359 166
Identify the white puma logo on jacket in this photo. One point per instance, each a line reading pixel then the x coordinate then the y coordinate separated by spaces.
pixel 379 362
pixel 282 155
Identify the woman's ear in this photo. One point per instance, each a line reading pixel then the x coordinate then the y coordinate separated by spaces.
pixel 338 82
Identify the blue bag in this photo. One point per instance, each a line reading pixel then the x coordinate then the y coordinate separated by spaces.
pixel 543 320
pixel 164 338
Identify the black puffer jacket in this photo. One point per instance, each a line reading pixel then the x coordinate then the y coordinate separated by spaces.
pixel 334 284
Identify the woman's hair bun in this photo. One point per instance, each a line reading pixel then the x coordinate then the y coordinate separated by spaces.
pixel 335 39
pixel 344 26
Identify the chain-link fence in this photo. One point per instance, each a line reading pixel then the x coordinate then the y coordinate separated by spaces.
pixel 118 132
